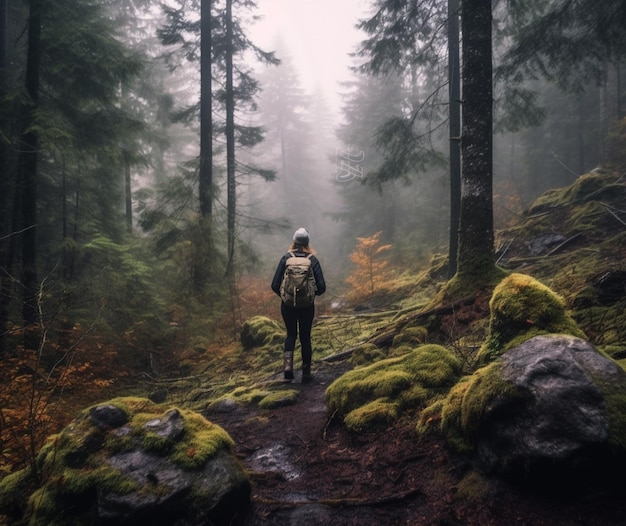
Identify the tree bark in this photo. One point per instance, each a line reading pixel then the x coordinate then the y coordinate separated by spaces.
pixel 206 116
pixel 230 139
pixel 476 253
pixel 454 99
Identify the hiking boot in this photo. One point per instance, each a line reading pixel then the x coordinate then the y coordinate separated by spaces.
pixel 288 365
pixel 306 374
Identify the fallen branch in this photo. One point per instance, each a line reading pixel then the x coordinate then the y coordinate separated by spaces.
pixel 344 503
pixel 564 243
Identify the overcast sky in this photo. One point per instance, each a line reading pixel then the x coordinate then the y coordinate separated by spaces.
pixel 320 35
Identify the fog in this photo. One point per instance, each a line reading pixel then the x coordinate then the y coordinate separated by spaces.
pixel 319 34
pixel 314 38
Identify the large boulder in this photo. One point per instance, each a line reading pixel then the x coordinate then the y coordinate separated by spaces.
pixel 131 461
pixel 551 408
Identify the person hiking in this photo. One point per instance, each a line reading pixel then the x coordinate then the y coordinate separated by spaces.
pixel 298 280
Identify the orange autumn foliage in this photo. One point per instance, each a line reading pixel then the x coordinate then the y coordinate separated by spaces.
pixel 371 271
pixel 41 391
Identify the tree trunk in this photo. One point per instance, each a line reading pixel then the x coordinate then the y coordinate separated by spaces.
pixel 476 254
pixel 28 170
pixel 5 224
pixel 230 139
pixel 206 116
pixel 454 99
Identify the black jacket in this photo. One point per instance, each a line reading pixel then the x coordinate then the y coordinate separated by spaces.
pixel 315 265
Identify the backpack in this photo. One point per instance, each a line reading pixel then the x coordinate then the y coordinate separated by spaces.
pixel 298 286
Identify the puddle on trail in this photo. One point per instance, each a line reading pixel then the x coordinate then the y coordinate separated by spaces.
pixel 275 458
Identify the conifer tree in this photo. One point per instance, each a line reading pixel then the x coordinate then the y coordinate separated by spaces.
pixel 476 259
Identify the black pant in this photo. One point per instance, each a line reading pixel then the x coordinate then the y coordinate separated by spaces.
pixel 299 320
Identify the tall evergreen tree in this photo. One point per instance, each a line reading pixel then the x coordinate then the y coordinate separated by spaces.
pixel 476 251
pixel 454 127
pixel 229 96
pixel 71 130
pixel 205 175
pixel 228 38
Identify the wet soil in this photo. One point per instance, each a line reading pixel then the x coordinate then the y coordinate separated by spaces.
pixel 307 469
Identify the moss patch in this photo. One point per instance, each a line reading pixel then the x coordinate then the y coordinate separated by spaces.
pixel 279 399
pixel 259 331
pixel 521 308
pixel 464 407
pixel 377 394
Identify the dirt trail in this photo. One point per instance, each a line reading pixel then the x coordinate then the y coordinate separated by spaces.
pixel 308 470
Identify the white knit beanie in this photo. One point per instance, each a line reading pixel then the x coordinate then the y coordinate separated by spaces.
pixel 301 237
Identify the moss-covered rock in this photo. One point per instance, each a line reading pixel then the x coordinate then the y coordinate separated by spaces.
pixel 588 187
pixel 550 408
pixel 366 353
pixel 259 331
pixel 279 398
pixel 126 460
pixel 412 336
pixel 367 397
pixel 522 307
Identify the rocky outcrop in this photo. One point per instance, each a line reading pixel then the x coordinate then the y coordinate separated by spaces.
pixel 564 416
pixel 129 462
pixel 546 405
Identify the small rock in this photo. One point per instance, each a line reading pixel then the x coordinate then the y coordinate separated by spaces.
pixel 107 417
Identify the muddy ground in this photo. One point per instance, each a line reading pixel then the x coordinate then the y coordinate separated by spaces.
pixel 306 469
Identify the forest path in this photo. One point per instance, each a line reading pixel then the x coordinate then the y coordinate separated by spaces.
pixel 307 469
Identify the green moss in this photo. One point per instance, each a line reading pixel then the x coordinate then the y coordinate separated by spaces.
pixel 484 386
pixel 369 417
pixel 401 350
pixel 407 381
pixel 415 396
pixel 521 308
pixel 432 366
pixel 202 440
pixel 412 336
pixel 279 399
pixel 366 353
pixel 429 418
pixel 13 487
pixel 465 405
pixel 466 282
pixel 473 488
pixel 591 186
pixel 68 493
pixel 259 331
pixel 73 463
pixel 451 412
pixel 360 386
pixel 615 400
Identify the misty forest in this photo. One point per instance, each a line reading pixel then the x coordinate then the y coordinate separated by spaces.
pixel 466 201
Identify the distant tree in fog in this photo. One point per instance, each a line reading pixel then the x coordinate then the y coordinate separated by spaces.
pixel 577 46
pixel 298 126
